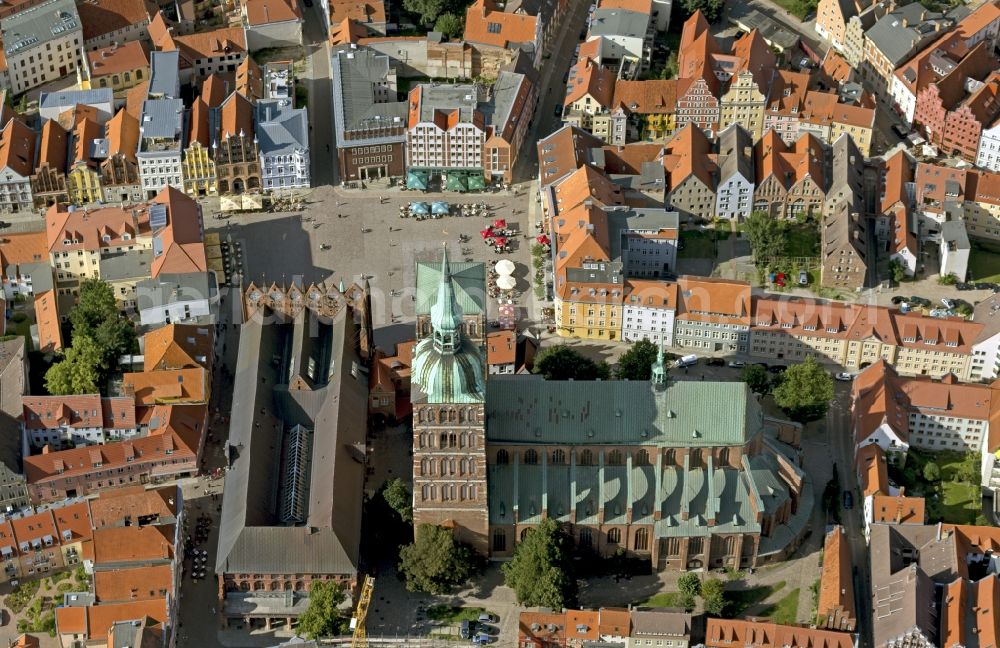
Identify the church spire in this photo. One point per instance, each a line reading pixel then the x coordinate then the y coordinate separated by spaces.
pixel 446 316
pixel 659 376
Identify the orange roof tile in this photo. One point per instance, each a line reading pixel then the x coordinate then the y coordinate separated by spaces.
pixel 71 620
pixel 709 299
pixel 501 347
pixel 485 24
pixel 898 509
pixel 236 117
pixel 100 618
pixel 21 248
pixel 359 11
pixel 837 580
pixel 82 411
pixel 134 99
pixel 720 633
pixel 650 97
pixel 100 17
pixel 86 131
pixel 689 153
pixel 132 503
pixel 249 80
pixel 266 12
pixel 178 346
pixel 73 522
pixel 872 470
pixel 588 78
pixel 17 148
pixel 47 319
pixel 128 56
pixel 140 584
pixel 167 386
pixel 53 150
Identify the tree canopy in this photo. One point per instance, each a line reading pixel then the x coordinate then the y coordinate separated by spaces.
pixel 712 9
pixel 756 378
pixel 323 617
pixel 78 371
pixel 435 563
pixel 637 362
pixel 541 571
pixel 450 25
pixel 766 236
pixel 399 498
pixel 689 584
pixel 713 596
pixel 561 362
pixel 805 391
pixel 427 10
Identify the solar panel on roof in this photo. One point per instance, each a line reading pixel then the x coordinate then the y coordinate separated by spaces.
pixel 157 216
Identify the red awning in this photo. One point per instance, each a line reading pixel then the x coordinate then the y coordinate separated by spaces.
pixel 500 223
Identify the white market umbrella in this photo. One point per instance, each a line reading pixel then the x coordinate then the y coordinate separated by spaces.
pixel 506 282
pixel 505 267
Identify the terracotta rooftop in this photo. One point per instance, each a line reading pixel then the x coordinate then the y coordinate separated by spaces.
pixel 837 579
pixel 898 509
pixel 169 386
pixel 178 346
pixel 84 411
pixel 137 584
pixel 17 148
pixel 485 24
pixel 132 504
pixel 117 59
pixel 266 12
pixel 100 17
pixel 706 299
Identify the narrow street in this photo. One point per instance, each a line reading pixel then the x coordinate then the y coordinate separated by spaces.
pixel 319 84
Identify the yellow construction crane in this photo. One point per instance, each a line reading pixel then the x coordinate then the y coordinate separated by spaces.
pixel 360 639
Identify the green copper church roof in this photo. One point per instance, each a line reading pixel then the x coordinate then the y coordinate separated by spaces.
pixel 468 282
pixel 684 414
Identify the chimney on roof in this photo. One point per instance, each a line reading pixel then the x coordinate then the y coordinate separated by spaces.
pixel 906 23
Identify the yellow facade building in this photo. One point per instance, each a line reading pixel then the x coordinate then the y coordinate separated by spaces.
pixel 199 171
pixel 743 104
pixel 590 311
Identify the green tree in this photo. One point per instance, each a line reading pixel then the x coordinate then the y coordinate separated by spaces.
pixel 398 496
pixel 637 362
pixel 805 391
pixel 78 371
pixel 711 9
pixel 713 595
pixel 932 472
pixel 434 563
pixel 968 470
pixel 561 362
pixel 756 378
pixel 323 618
pixel 96 316
pixel 766 236
pixel 427 10
pixel 689 584
pixel 897 271
pixel 949 279
pixel 541 571
pixel 449 24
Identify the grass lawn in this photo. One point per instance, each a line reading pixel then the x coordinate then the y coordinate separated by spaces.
pixel 737 601
pixel 22 328
pixel 697 245
pixel 984 263
pixel 801 241
pixel 799 8
pixel 786 610
pixel 949 499
pixel 453 613
pixel 664 599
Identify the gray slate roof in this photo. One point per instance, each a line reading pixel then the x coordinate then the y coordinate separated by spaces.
pixel 126 265
pixel 733 154
pixel 281 129
pixel 69 98
pixel 898 42
pixel 356 73
pixel 164 79
pixel 162 119
pixel 448 96
pixel 619 22
pixel 30 28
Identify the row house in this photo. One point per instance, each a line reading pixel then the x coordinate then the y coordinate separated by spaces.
pixel 713 315
pixel 691 171
pixel 217 51
pixel 83 180
pixel 111 23
pixel 68 421
pixel 988 151
pixel 725 633
pixel 628 628
pixel 235 151
pixel 835 606
pixel 38 543
pixel 119 170
pixel 590 91
pixel 118 67
pixel 271 23
pixel 162 127
pixel 620 37
pixel 171 449
pixel 894 39
pixel 832 17
pixel 198 167
pixel 744 99
pixel 734 194
pixel 650 107
pixel 858 25
pixel 48 183
pixel 648 311
pixel 283 144
pixel 781 113
pixel 513 96
pixel 17 164
pixel 24 255
pixel 896 219
pixel 827 118
pixel 790 179
pixel 947 116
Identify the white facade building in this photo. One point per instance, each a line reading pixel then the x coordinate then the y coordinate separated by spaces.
pixel 283 142
pixel 988 156
pixel 175 298
pixel 449 131
pixel 41 43
pixel 648 311
pixel 734 193
pixel 89 419
pixel 903 98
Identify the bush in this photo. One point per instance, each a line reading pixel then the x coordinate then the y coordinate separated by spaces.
pixel 18 317
pixel 948 280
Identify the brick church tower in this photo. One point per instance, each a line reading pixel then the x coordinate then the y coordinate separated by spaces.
pixel 448 390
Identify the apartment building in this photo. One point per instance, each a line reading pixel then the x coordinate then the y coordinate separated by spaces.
pixel 271 23
pixel 17 156
pixel 784 104
pixel 832 17
pixel 171 449
pixel 713 315
pixel 590 90
pixel 42 43
pixel 447 133
pixel 857 25
pixel 648 311
pixel 61 421
pixel 734 194
pixel 68 105
pixel 624 35
pixel 83 181
pixel 723 633
pixel 825 117
pixel 513 98
pixel 794 329
pixel 894 39
pixel 217 51
pixel 650 107
pixel 283 143
pixel 581 628
pixel 23 255
pixel 119 170
pixel 37 543
pixel 844 229
pixel 490 26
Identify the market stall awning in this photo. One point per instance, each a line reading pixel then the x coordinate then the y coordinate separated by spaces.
pixel 420 208
pixel 440 207
pixel 416 180
pixel 476 182
pixel 486 233
pixel 457 181
pixel 500 223
pixel 543 239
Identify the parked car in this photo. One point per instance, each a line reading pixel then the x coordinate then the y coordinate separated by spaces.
pixel 466 630
pixel 687 361
pixel 844 376
pixel 898 299
pixel 715 362
pixel 920 301
pixel 984 285
pixel 487 617
pixel 803 278
pixel 776 368
pixel 963 286
pixel 482 638
pixel 947 303
pixel 848 500
pixel 558 111
pixel 737 364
